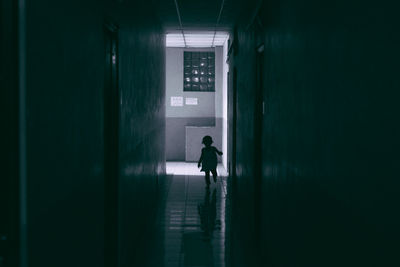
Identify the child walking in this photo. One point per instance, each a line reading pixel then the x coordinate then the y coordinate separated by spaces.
pixel 208 159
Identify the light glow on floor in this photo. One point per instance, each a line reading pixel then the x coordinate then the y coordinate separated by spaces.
pixel 190 168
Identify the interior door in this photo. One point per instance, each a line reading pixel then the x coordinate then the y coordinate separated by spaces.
pixel 111 142
pixel 258 134
pixel 234 123
pixel 10 219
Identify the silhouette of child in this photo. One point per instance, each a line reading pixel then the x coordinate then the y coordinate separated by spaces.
pixel 208 159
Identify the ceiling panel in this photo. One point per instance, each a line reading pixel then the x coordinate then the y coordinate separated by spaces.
pixel 196 39
pixel 200 14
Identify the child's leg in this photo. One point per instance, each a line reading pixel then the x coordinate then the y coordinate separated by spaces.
pixel 214 173
pixel 208 177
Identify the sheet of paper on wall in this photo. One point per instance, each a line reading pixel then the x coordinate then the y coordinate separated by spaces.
pixel 176 101
pixel 191 101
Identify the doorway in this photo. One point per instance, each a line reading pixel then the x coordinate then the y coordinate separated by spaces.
pixel 12 179
pixel 196 97
pixel 258 137
pixel 111 142
pixel 258 114
pixel 232 165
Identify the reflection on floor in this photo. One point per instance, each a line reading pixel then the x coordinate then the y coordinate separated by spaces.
pixel 190 168
pixel 193 222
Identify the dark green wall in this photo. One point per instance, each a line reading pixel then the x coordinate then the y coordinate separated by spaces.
pixel 329 187
pixel 9 138
pixel 142 129
pixel 65 121
pixel 65 133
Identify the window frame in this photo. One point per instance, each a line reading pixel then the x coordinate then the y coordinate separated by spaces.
pixel 199 71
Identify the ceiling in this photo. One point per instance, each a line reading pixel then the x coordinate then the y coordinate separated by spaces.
pixel 200 23
pixel 196 38
pixel 198 14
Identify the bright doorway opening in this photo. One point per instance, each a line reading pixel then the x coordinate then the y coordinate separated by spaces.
pixel 196 97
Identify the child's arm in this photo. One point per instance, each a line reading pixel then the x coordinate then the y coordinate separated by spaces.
pixel 200 159
pixel 219 152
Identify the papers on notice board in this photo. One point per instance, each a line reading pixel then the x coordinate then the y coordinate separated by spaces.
pixel 176 101
pixel 191 101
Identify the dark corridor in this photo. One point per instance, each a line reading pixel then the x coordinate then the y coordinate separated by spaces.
pixel 313 136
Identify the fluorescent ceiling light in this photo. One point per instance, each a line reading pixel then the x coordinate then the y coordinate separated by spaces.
pixel 196 39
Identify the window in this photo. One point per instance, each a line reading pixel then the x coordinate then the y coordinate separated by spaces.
pixel 199 71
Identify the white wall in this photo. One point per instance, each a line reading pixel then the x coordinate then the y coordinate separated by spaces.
pixel 208 112
pixel 174 87
pixel 218 81
pixel 194 136
pixel 225 70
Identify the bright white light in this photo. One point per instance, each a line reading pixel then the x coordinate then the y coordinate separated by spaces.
pixel 190 168
pixel 196 39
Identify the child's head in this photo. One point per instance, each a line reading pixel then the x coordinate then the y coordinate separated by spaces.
pixel 207 140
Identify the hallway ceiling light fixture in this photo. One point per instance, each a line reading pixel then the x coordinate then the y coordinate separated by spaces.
pixel 196 39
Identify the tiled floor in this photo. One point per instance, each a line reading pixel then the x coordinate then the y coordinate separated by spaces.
pixel 193 221
pixel 190 168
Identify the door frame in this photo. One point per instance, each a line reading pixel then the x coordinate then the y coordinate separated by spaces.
pixel 111 144
pixel 259 111
pixel 13 141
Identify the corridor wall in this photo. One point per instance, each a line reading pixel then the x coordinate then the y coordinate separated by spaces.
pixel 142 129
pixel 9 113
pixel 330 134
pixel 65 55
pixel 64 105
